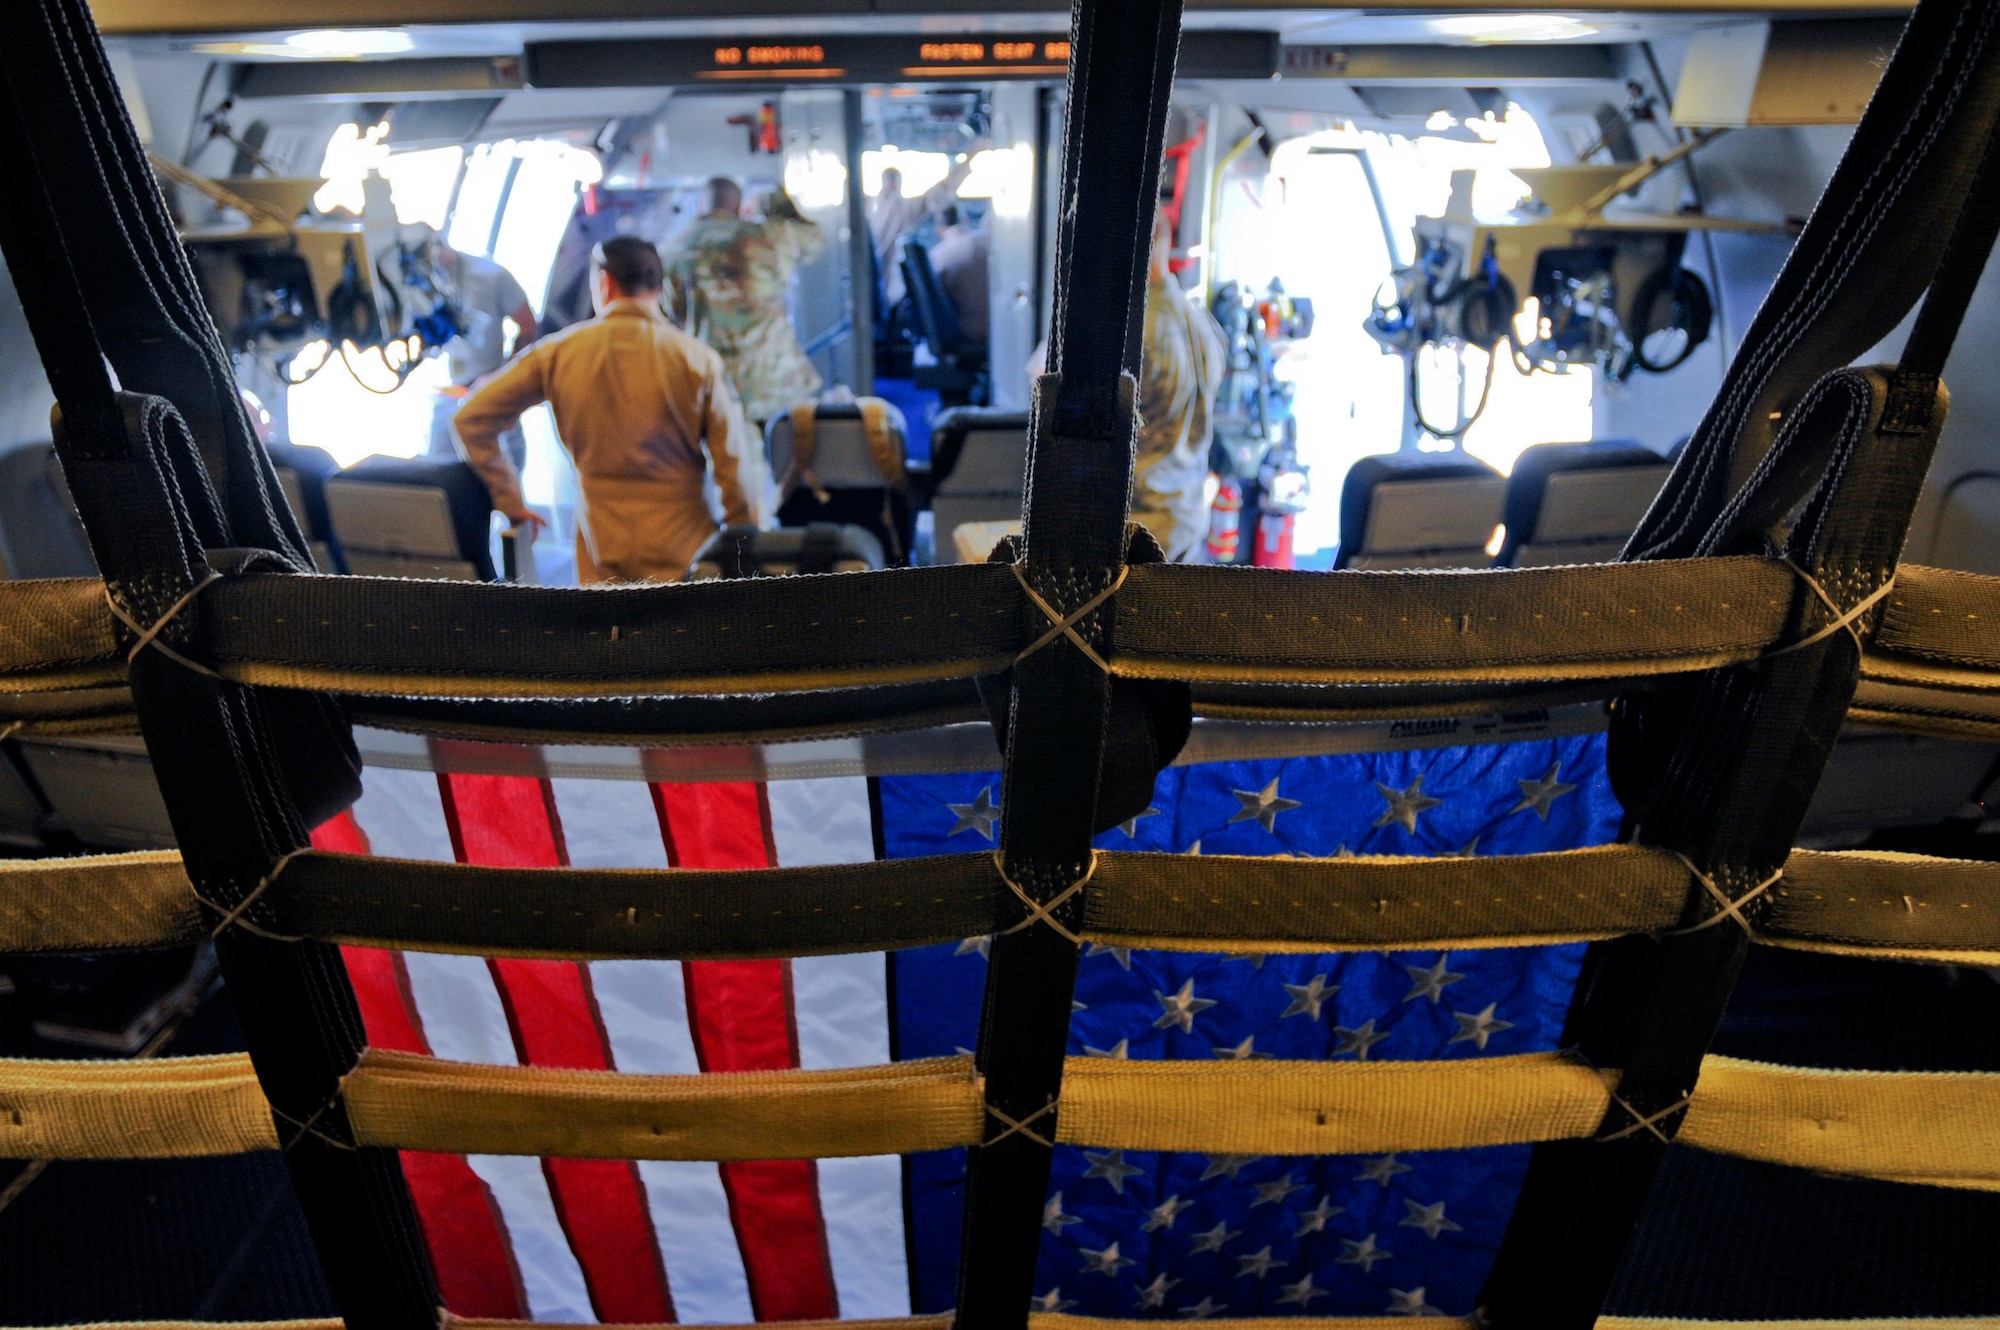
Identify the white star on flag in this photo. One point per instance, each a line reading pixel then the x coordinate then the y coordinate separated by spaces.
pixel 1539 794
pixel 1181 1008
pixel 1262 807
pixel 1404 805
pixel 979 815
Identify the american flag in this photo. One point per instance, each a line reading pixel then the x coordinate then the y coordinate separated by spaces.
pixel 1127 1234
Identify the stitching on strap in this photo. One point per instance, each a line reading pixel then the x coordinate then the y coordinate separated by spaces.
pixel 1844 620
pixel 1039 912
pixel 1021 1126
pixel 1732 906
pixel 236 917
pixel 1065 626
pixel 150 637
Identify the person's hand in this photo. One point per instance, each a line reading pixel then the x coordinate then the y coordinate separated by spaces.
pixel 528 521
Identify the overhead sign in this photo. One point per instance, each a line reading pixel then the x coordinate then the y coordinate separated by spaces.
pixel 880 58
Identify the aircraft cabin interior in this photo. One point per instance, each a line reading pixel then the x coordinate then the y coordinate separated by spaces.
pixel 656 657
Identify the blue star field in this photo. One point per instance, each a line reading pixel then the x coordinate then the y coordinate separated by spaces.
pixel 1188 1236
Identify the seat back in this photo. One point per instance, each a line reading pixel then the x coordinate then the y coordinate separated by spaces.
pixel 1578 502
pixel 1967 534
pixel 937 317
pixel 823 547
pixel 979 470
pixel 102 789
pixel 40 533
pixel 849 472
pixel 422 518
pixel 1419 510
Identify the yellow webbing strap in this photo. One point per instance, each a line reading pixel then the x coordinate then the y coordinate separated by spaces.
pixel 99 902
pixel 1321 1108
pixel 1939 1128
pixel 884 444
pixel 419 1103
pixel 1936 1128
pixel 1865 1323
pixel 1887 905
pixel 160 1108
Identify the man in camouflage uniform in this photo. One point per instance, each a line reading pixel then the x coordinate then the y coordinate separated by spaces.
pixel 1179 375
pixel 726 285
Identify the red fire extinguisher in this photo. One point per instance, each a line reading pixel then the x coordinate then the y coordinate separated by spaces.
pixel 1286 489
pixel 1225 521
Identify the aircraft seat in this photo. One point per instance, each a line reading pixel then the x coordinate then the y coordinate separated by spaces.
pixel 979 470
pixel 822 547
pixel 960 374
pixel 1578 502
pixel 102 790
pixel 302 474
pixel 843 462
pixel 40 533
pixel 1419 510
pixel 422 517
pixel 1967 533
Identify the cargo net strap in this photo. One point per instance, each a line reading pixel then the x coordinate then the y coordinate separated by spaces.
pixel 1065 1321
pixel 1933 1128
pixel 1861 902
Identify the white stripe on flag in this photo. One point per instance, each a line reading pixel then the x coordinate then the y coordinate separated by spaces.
pixel 609 823
pixel 821 821
pixel 464 1022
pixel 644 1008
pixel 403 814
pixel 550 1274
pixel 841 1008
pixel 862 1200
pixel 697 1242
pixel 460 1008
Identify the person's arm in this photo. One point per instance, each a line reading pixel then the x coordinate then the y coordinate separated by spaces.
pixel 514 300
pixel 802 235
pixel 493 409
pixel 735 453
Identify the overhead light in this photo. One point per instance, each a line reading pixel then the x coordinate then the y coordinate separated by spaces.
pixel 1513 27
pixel 320 44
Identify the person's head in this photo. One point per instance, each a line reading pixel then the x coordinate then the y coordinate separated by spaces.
pixel 720 194
pixel 625 268
pixel 1163 244
pixel 892 183
pixel 948 215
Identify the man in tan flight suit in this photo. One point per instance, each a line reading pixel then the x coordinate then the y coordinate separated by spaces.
pixel 1180 373
pixel 646 411
pixel 727 282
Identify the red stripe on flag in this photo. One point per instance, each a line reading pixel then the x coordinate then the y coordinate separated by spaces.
pixel 740 1013
pixel 467 1239
pixel 511 821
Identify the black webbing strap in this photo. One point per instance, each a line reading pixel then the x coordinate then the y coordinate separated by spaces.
pixel 102 278
pixel 1080 451
pixel 1723 771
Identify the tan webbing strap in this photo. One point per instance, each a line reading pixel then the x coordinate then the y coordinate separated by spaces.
pixel 104 902
pixel 1209 624
pixel 804 419
pixel 1866 1323
pixel 1938 1128
pixel 1369 903
pixel 1879 903
pixel 1065 1321
pixel 330 1323
pixel 1844 620
pixel 1943 619
pixel 1064 625
pixel 160 1108
pixel 1313 1108
pixel 57 634
pixel 885 444
pixel 418 1103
